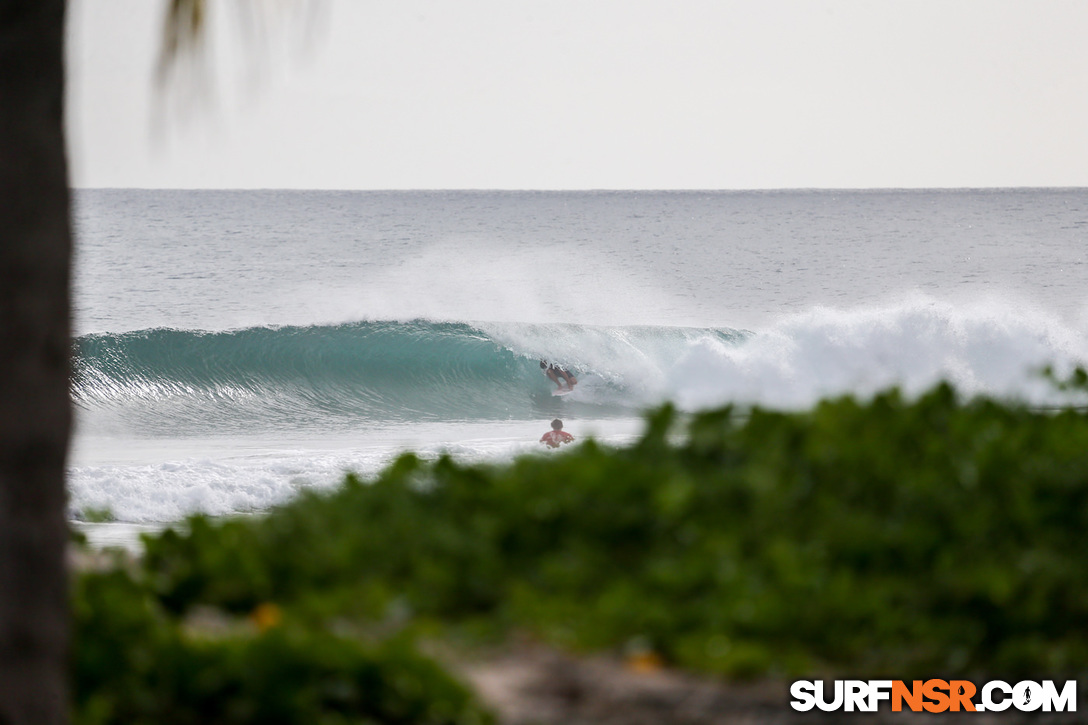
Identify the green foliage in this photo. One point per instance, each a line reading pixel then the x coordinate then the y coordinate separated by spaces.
pixel 135 664
pixel 889 537
pixel 1077 380
pixel 95 515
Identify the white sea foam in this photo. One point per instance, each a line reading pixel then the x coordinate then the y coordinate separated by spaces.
pixel 169 491
pixel 987 348
pixel 163 481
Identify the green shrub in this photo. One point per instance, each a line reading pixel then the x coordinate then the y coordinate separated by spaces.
pixel 891 536
pixel 135 664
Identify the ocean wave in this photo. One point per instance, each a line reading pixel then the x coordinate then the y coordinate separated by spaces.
pixel 344 376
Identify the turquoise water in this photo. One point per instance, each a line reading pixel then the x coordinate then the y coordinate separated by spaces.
pixel 337 377
pixel 234 347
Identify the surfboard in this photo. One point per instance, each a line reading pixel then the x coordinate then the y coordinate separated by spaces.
pixel 562 391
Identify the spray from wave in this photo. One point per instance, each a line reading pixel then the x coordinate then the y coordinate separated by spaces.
pixel 983 349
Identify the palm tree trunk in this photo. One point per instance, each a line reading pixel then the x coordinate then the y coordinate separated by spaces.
pixel 35 350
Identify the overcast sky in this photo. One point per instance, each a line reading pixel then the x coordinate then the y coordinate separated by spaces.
pixel 590 94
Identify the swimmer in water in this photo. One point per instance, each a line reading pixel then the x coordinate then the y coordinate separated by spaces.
pixel 556 436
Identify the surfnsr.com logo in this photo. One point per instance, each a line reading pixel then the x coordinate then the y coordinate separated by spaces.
pixel 933 696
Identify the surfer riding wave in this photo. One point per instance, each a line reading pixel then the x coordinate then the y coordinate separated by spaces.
pixel 558 375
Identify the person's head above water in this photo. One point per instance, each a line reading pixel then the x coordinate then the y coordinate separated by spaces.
pixel 543 365
pixel 557 424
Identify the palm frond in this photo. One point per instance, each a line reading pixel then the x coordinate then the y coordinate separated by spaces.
pixel 183 30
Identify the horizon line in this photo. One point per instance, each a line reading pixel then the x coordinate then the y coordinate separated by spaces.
pixel 588 189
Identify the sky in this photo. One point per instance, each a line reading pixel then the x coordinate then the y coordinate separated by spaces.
pixel 586 94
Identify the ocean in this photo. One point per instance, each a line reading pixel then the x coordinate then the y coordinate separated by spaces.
pixel 235 347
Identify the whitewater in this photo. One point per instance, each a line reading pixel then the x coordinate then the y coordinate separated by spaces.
pixel 234 348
